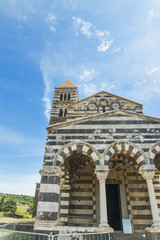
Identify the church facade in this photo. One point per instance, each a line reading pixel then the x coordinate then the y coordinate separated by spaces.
pixel 101 165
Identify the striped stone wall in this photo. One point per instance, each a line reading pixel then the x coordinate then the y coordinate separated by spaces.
pixel 138 200
pixel 78 203
pixel 102 132
pixel 63 104
pixel 65 197
pixel 48 205
pixel 81 205
pixel 156 182
pixel 36 199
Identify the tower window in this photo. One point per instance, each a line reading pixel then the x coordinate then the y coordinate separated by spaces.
pixel 60 113
pixel 104 109
pixel 61 97
pixel 65 112
pixel 65 97
pixel 69 96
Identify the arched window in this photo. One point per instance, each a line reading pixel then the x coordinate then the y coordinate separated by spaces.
pixel 65 112
pixel 65 97
pixel 61 97
pixel 104 109
pixel 60 113
pixel 69 96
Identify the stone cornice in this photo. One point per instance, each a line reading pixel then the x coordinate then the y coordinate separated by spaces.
pixel 51 172
pixel 96 116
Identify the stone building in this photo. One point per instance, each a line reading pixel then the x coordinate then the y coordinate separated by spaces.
pixel 101 164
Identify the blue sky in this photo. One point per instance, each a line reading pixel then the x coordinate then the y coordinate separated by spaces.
pixel 111 45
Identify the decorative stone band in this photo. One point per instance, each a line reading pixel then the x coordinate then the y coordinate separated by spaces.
pixel 153 151
pixel 126 148
pixel 80 147
pixel 51 172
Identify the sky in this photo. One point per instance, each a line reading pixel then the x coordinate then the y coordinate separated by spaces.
pixel 110 45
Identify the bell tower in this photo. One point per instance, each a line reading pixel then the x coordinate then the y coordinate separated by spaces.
pixel 64 95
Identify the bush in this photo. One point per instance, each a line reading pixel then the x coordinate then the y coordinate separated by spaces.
pixel 1 204
pixel 9 205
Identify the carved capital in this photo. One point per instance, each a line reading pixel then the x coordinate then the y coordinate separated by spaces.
pixel 147 175
pixel 51 172
pixel 102 175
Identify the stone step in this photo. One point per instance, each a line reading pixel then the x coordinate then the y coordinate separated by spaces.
pixel 123 236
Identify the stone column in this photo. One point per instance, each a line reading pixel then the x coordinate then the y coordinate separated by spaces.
pixel 148 175
pixel 101 176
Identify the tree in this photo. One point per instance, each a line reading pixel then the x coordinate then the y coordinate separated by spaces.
pixel 1 203
pixel 30 210
pixel 9 205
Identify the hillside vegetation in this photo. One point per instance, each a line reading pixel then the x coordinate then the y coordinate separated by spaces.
pixel 16 206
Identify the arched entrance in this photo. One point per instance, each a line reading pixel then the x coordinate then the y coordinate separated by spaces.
pixel 126 190
pixel 154 155
pixel 78 191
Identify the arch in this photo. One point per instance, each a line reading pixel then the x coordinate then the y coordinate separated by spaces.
pixel 69 97
pixel 61 97
pixel 65 112
pixel 153 151
pixel 127 148
pixel 115 105
pixel 94 106
pixel 83 147
pixel 65 97
pixel 100 102
pixel 60 112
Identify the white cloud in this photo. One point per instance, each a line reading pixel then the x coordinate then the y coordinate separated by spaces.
pixel 151 13
pixel 104 46
pixel 53 29
pixel 87 75
pixel 107 86
pixel 116 50
pixel 153 70
pixel 19 184
pixel 51 22
pixel 84 26
pixel 89 89
pixel 22 18
pixel 47 104
pixel 89 30
pixel 46 69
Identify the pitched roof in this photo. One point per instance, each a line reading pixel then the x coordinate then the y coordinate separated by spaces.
pixel 110 94
pixel 67 84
